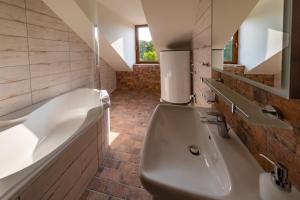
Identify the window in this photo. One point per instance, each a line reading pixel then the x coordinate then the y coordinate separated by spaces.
pixel 96 34
pixel 231 50
pixel 145 52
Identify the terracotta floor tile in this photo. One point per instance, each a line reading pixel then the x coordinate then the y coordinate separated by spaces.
pixel 138 194
pixel 109 173
pixel 118 178
pixel 109 188
pixel 92 195
pixel 111 163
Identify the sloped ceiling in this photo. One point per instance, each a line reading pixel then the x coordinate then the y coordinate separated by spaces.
pixel 171 22
pixel 228 15
pixel 111 56
pixel 131 10
pixel 118 32
pixel 74 17
pixel 80 16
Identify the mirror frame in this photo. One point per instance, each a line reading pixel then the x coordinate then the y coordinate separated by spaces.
pixel 291 57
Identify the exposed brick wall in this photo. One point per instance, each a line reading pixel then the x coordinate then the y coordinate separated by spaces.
pixel 279 144
pixel 143 76
pixel 267 79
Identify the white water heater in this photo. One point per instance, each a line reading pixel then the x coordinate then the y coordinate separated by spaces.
pixel 175 75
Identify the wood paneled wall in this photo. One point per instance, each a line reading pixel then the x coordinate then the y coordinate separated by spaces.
pixel 40 56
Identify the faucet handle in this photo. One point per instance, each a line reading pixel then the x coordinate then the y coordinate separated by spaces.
pixel 279 174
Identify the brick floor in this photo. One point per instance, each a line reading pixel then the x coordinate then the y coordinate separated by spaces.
pixel 118 177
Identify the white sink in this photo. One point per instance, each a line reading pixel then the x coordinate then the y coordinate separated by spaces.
pixel 168 170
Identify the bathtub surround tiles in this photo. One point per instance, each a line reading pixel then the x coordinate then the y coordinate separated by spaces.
pixel 40 57
pixel 143 76
pixel 108 77
pixel 67 176
pixel 202 50
pixel 19 3
pixel 118 177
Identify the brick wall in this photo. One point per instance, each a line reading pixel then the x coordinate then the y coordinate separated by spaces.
pixel 267 79
pixel 280 145
pixel 40 57
pixel 145 77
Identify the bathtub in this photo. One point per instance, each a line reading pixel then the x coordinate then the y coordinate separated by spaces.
pixel 46 131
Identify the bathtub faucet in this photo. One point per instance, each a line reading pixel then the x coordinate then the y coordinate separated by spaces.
pixel 218 119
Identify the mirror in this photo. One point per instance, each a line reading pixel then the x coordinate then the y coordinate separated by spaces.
pixel 260 51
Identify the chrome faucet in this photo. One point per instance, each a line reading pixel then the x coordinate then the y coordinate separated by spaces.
pixel 218 119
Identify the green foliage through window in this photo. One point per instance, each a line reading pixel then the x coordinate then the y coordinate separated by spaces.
pixel 147 51
pixel 228 51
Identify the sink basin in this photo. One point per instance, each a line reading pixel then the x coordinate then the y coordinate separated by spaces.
pixel 214 168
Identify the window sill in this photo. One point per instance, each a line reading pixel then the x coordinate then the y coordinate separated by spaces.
pixel 146 64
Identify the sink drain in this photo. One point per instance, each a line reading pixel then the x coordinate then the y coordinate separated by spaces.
pixel 195 150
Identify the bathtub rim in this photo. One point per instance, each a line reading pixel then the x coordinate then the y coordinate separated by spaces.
pixel 21 115
pixel 17 182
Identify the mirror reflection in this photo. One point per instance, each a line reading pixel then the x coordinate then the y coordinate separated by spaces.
pixel 255 51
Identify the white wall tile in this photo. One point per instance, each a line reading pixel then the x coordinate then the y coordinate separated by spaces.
pixel 9 90
pixel 202 50
pixel 80 73
pixel 12 13
pixel 78 46
pixel 12 43
pixel 79 56
pixel 81 82
pixel 13 74
pixel 13 58
pixel 47 62
pixel 108 80
pixel 47 45
pixel 80 64
pixel 14 103
pixel 39 6
pixel 40 95
pixel 45 21
pixel 49 81
pixel 19 3
pixel 38 70
pixel 9 27
pixel 48 57
pixel 46 33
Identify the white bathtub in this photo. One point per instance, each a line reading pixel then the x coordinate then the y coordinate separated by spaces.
pixel 47 130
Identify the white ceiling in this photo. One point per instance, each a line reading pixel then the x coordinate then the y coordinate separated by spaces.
pixel 171 22
pixel 226 22
pixel 131 10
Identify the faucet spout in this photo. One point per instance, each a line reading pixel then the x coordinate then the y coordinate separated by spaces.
pixel 219 120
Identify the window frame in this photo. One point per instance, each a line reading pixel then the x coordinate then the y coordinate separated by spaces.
pixel 235 49
pixel 137 48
